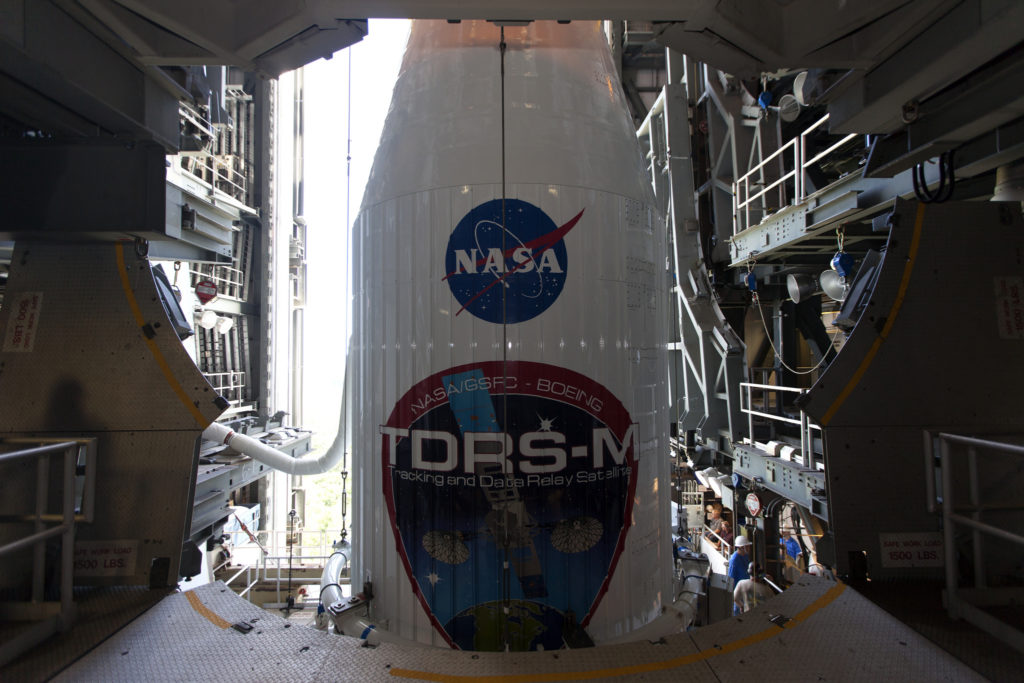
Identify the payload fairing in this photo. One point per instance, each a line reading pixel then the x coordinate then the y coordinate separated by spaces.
pixel 507 368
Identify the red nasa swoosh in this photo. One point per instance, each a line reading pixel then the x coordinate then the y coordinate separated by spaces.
pixel 544 242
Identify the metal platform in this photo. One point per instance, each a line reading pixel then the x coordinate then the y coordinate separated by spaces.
pixel 101 611
pixel 816 630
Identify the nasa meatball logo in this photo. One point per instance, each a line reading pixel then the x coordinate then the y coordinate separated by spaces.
pixel 507 274
pixel 510 490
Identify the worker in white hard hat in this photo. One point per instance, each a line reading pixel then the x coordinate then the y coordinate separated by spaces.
pixel 739 560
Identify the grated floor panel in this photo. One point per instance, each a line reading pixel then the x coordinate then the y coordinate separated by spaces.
pixel 101 611
pixel 829 633
pixel 919 606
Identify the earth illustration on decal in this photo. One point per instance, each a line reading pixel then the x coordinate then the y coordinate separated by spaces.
pixel 530 626
pixel 510 490
pixel 522 259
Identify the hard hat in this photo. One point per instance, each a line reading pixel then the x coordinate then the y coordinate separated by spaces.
pixel 742 541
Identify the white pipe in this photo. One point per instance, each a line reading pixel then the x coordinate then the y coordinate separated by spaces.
pixel 270 456
pixel 353 622
pixel 673 619
pixel 330 590
pixel 678 616
pixel 257 450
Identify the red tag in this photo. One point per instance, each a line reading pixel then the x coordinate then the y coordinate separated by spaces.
pixel 753 504
pixel 205 290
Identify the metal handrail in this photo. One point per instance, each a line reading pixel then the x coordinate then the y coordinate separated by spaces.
pixel 725 548
pixel 272 539
pixel 278 560
pixel 275 540
pixel 247 570
pixel 800 165
pixel 262 570
pixel 804 163
pixel 806 425
pixel 744 181
pixel 956 606
pixel 66 530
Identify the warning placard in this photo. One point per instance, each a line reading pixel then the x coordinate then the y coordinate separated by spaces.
pixel 1010 306
pixel 20 335
pixel 921 549
pixel 105 558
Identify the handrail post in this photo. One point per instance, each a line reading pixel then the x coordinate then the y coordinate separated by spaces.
pixel 735 207
pixel 801 157
pixel 746 198
pixel 929 471
pixel 68 539
pixel 947 531
pixel 39 549
pixel 805 438
pixel 750 415
pixel 972 478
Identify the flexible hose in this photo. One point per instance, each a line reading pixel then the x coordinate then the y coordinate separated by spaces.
pixel 354 622
pixel 270 456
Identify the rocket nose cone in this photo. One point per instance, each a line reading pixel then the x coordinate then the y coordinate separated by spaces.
pixel 553 112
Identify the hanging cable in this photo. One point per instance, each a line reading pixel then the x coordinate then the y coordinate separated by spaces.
pixel 344 496
pixel 348 151
pixel 778 355
pixel 289 604
pixel 506 576
pixel 950 172
pixel 768 335
pixel 947 180
pixel 348 223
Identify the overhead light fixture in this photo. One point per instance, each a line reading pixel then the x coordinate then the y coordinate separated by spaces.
pixel 224 325
pixel 800 86
pixel 789 108
pixel 801 286
pixel 833 284
pixel 207 320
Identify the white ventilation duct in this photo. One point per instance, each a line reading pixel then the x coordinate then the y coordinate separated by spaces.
pixel 680 615
pixel 352 622
pixel 270 456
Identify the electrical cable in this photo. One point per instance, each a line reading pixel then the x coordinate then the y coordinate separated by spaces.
pixel 920 186
pixel 947 169
pixel 947 180
pixel 348 151
pixel 768 336
pixel 348 226
pixel 506 577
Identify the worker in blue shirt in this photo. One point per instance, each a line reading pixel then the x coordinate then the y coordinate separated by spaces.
pixel 793 548
pixel 739 560
pixel 793 558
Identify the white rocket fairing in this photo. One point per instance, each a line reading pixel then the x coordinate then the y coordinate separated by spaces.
pixel 508 363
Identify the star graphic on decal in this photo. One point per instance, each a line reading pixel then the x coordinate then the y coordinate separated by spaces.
pixel 433 578
pixel 545 423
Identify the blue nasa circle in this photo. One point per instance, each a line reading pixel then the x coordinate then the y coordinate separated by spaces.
pixel 525 262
